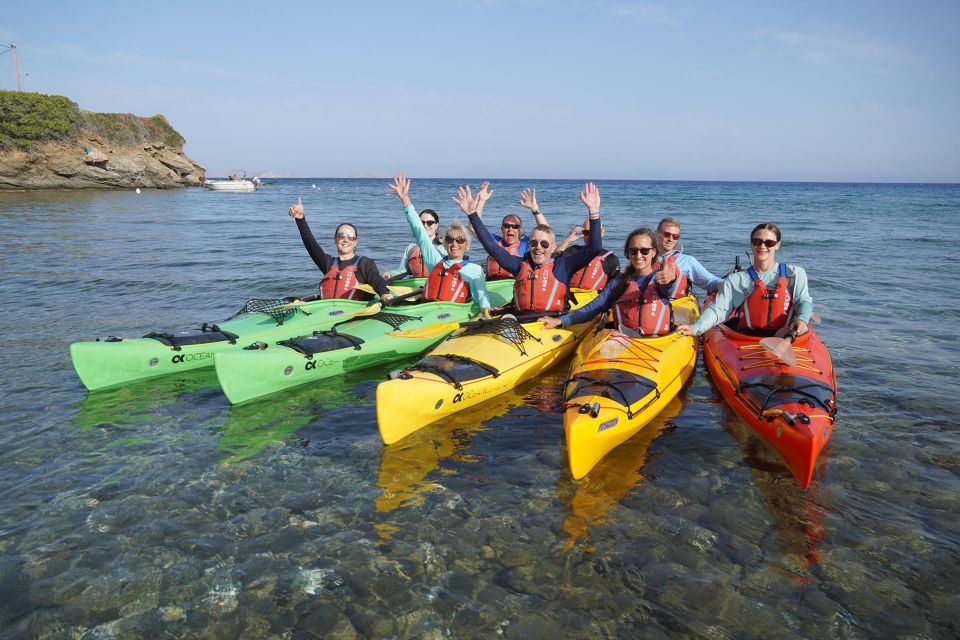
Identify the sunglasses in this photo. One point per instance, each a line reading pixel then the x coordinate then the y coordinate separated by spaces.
pixel 769 244
pixel 670 236
pixel 510 225
pixel 428 222
pixel 458 240
pixel 345 236
pixel 632 251
pixel 544 244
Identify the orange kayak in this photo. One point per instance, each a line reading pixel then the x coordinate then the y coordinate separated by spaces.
pixel 791 407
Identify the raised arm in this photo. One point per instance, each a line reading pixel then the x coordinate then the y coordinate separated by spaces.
pixel 320 258
pixel 576 260
pixel 528 200
pixel 473 206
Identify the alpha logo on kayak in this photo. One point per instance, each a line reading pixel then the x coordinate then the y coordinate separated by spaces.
pixel 192 357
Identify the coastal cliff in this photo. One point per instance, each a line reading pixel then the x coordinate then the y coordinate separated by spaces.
pixel 48 142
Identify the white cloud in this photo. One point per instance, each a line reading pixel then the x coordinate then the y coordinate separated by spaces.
pixel 649 13
pixel 825 48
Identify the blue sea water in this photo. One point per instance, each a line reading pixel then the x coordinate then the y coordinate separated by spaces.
pixel 158 509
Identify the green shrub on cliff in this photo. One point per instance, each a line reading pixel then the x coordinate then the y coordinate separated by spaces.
pixel 29 118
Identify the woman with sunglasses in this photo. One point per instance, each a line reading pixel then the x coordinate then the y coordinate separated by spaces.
pixel 343 273
pixel 452 277
pixel 540 280
pixel 638 301
pixel 681 268
pixel 512 237
pixel 412 261
pixel 771 297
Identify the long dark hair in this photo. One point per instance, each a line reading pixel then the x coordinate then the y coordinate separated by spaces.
pixel 436 218
pixel 629 273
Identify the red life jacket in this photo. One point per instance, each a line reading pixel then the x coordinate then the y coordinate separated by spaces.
pixel 416 267
pixel 645 311
pixel 446 284
pixel 680 285
pixel 591 276
pixel 494 270
pixel 767 309
pixel 537 288
pixel 339 282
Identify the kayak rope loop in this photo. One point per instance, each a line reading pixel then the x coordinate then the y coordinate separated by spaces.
pixel 507 328
pixel 437 370
pixel 764 358
pixel 277 308
pixel 613 386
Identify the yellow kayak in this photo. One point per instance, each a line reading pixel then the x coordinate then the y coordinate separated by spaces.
pixel 477 363
pixel 618 383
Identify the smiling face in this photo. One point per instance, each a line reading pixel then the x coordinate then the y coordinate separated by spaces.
pixel 511 228
pixel 764 245
pixel 346 239
pixel 668 236
pixel 429 225
pixel 636 246
pixel 456 240
pixel 542 246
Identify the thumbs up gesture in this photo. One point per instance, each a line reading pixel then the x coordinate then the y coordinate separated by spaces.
pixel 665 274
pixel 296 210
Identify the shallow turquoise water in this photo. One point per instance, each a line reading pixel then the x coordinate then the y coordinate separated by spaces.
pixel 159 509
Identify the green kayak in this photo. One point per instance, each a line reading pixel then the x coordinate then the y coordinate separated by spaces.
pixel 113 362
pixel 250 373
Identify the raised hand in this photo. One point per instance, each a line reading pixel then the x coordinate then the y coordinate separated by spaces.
pixel 296 210
pixel 528 199
pixel 590 197
pixel 401 186
pixel 484 193
pixel 466 199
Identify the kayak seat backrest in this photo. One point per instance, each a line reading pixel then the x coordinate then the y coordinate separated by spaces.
pixel 776 389
pixel 616 384
pixel 321 342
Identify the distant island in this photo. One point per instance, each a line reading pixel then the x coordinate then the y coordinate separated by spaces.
pixel 48 142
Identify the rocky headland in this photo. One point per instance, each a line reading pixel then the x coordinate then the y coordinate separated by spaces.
pixel 48 142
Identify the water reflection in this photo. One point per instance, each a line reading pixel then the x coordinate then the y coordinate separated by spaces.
pixel 444 448
pixel 591 498
pixel 798 515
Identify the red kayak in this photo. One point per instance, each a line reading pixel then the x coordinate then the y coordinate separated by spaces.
pixel 790 406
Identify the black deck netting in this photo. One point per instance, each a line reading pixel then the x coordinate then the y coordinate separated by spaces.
pixel 277 308
pixel 453 368
pixel 616 384
pixel 507 327
pixel 773 390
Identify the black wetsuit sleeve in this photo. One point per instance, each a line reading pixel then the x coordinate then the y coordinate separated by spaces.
pixel 503 257
pixel 322 259
pixel 369 274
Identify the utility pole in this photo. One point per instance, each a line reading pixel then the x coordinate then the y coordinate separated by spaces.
pixel 16 64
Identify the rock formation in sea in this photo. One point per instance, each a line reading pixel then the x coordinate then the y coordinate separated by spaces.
pixel 48 142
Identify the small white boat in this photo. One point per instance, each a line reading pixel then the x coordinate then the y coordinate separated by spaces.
pixel 237 181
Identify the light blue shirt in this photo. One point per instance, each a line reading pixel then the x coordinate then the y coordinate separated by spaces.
pixel 695 272
pixel 471 273
pixel 738 286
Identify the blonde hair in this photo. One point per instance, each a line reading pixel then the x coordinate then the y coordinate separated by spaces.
pixel 461 230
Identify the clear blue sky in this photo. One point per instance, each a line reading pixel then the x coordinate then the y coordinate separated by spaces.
pixel 834 91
